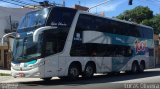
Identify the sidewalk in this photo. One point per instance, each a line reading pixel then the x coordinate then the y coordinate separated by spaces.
pixel 5 71
pixel 3 77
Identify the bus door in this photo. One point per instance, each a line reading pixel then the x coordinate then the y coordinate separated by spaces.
pixel 51 66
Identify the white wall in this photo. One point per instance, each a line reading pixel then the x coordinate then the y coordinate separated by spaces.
pixel 16 15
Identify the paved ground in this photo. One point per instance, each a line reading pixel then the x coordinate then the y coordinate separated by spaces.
pixel 121 81
pixel 5 71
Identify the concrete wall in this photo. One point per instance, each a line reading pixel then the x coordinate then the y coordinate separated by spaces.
pixel 15 13
pixel 5 13
pixel 157 50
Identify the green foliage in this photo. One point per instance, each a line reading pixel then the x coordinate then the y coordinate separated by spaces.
pixel 4 74
pixel 142 15
pixel 137 14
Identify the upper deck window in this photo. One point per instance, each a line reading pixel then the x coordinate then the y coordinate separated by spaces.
pixel 35 18
pixel 61 17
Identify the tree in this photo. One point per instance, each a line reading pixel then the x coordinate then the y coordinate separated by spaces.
pixel 142 15
pixel 137 14
pixel 154 22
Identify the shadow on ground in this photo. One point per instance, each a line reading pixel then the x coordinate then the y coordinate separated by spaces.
pixel 94 80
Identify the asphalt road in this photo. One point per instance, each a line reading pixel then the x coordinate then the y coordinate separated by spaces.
pixel 150 79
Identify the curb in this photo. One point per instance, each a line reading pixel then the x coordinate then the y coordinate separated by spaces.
pixel 5 72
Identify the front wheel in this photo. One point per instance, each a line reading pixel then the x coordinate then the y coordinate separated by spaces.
pixel 134 67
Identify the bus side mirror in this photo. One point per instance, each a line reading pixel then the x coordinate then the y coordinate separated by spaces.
pixel 38 31
pixel 12 35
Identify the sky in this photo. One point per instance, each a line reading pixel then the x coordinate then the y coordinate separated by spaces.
pixel 111 9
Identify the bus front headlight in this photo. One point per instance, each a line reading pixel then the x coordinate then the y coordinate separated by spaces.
pixel 41 63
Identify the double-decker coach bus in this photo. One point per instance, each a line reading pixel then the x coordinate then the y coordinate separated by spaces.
pixel 61 41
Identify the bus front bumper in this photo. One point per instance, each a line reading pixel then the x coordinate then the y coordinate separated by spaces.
pixel 33 73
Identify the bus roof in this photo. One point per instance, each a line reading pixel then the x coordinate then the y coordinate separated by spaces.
pixel 85 12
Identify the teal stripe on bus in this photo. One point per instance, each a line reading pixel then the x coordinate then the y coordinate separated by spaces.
pixel 128 40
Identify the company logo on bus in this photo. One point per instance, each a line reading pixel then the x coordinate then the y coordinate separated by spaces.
pixel 140 46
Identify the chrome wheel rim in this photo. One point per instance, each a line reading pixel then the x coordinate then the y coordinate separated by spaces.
pixel 135 69
pixel 74 72
pixel 89 71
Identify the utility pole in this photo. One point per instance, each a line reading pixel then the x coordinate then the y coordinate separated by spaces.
pixel 10 21
pixel 79 2
pixel 64 3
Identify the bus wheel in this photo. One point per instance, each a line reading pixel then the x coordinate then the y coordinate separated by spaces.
pixel 63 77
pixel 47 79
pixel 89 71
pixel 134 67
pixel 73 72
pixel 141 67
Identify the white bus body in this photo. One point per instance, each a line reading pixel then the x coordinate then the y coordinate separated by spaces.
pixel 88 48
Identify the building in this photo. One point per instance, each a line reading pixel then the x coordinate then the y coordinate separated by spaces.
pixel 157 50
pixel 9 19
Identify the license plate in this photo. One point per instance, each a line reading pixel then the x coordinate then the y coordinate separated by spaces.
pixel 17 65
pixel 21 75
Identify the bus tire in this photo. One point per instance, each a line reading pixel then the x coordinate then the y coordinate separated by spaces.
pixel 135 67
pixel 73 72
pixel 89 71
pixel 47 79
pixel 63 77
pixel 141 67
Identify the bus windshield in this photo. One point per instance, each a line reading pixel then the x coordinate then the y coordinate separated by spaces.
pixel 25 49
pixel 35 18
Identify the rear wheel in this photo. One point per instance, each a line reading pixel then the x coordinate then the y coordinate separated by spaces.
pixel 89 71
pixel 141 67
pixel 47 79
pixel 63 77
pixel 135 67
pixel 73 72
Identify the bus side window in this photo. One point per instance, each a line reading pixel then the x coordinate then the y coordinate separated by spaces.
pixel 48 48
pixel 84 23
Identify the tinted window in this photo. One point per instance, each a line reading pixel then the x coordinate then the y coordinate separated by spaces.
pixel 94 49
pixel 61 17
pixel 85 22
pixel 93 23
pixel 106 27
pixel 98 24
pixel 145 32
pixel 100 50
pixel 55 38
pixel 88 22
pixel 54 41
pixel 34 18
